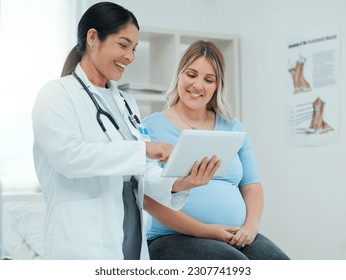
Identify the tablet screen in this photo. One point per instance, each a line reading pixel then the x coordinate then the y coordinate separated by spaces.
pixel 194 145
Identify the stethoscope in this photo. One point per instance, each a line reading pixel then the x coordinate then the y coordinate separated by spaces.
pixel 99 111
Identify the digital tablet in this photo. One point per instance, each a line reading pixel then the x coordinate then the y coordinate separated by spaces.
pixel 194 145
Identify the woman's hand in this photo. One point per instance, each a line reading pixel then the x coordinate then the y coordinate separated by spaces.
pixel 219 232
pixel 253 197
pixel 158 150
pixel 243 237
pixel 200 174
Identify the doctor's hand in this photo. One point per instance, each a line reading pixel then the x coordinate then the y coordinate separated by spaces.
pixel 158 150
pixel 200 174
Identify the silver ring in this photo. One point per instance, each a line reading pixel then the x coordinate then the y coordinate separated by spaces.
pixel 243 245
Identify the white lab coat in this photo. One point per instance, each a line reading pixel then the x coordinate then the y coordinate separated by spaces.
pixel 81 172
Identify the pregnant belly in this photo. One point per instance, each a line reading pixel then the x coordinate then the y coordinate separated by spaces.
pixel 219 202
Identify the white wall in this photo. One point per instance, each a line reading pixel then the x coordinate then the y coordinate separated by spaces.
pixel 177 14
pixel 305 188
pixel 34 44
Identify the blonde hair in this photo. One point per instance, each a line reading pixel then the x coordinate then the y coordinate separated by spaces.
pixel 209 50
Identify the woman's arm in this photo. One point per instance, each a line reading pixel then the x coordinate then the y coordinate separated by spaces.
pixel 185 224
pixel 253 197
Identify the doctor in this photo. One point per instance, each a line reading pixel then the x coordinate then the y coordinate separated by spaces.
pixel 93 158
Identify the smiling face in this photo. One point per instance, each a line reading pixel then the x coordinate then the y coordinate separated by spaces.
pixel 107 60
pixel 197 84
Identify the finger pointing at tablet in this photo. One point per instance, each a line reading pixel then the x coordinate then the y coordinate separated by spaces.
pixel 158 150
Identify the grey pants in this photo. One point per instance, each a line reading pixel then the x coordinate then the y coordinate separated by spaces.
pixel 132 242
pixel 183 247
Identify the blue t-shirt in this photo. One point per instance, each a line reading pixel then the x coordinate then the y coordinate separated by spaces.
pixel 220 201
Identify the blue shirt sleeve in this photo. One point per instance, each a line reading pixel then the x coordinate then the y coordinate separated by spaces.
pixel 246 155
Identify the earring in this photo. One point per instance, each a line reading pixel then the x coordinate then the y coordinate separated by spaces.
pixel 92 47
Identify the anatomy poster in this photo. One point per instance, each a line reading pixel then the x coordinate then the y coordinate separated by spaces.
pixel 312 89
